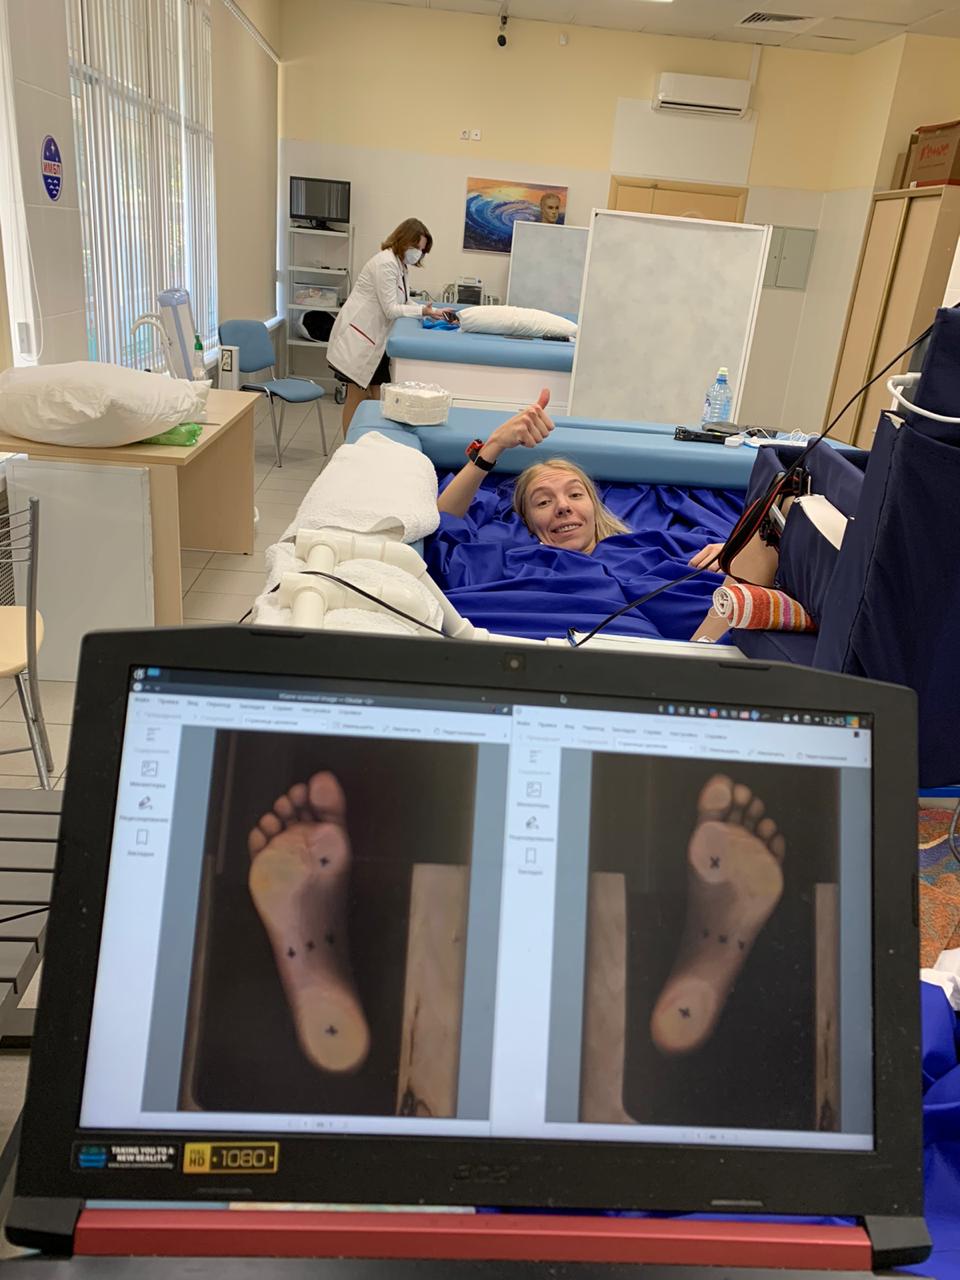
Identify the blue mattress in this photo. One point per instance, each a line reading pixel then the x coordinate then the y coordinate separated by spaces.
pixel 410 341
pixel 644 453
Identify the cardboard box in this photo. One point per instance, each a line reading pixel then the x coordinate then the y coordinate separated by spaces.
pixel 934 156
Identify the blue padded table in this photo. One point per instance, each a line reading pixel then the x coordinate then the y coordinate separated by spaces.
pixel 482 369
pixel 641 453
pixel 409 340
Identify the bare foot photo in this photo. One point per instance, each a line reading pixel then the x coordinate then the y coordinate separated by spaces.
pixel 735 881
pixel 299 878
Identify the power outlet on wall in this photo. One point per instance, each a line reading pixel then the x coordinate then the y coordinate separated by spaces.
pixel 464 135
pixel 475 135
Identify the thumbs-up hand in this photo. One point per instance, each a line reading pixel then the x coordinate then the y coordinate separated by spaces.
pixel 527 428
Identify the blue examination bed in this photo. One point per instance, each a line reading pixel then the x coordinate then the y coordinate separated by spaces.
pixel 632 452
pixel 409 340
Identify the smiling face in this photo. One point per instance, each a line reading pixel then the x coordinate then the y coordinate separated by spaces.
pixel 559 510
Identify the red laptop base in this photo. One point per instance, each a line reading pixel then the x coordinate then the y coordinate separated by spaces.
pixel 494 1237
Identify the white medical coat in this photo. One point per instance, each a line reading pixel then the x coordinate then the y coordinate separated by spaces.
pixel 359 335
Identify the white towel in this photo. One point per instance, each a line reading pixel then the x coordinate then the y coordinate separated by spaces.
pixel 373 486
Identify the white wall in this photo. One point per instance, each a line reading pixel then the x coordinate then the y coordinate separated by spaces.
pixel 389 186
pixel 38 37
pixel 839 237
pixel 779 313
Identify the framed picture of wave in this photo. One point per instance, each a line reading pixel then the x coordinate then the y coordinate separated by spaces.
pixel 494 205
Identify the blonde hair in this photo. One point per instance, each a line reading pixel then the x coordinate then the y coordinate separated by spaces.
pixel 607 524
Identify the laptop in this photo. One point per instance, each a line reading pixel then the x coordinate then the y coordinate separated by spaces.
pixel 368 921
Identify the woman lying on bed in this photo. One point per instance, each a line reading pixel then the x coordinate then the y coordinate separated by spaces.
pixel 556 500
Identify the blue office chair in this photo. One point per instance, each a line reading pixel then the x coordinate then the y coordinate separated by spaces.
pixel 256 353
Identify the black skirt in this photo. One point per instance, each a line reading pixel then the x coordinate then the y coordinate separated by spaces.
pixel 380 375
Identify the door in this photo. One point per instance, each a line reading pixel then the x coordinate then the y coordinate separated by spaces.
pixel 677 199
pixel 680 203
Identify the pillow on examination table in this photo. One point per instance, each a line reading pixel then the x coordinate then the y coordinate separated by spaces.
pixel 94 405
pixel 516 322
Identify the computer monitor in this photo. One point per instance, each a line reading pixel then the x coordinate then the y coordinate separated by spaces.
pixel 427 922
pixel 319 201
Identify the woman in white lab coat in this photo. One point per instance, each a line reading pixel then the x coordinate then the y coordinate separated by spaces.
pixel 358 340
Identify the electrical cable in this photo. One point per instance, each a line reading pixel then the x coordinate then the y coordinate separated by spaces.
pixel 756 513
pixel 342 582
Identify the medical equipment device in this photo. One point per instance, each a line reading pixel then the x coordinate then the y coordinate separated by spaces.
pixel 174 325
pixel 469 291
pixel 311 598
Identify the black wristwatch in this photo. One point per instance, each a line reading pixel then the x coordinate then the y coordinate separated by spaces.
pixel 473 453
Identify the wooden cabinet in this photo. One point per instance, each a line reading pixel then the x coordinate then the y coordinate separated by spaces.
pixel 677 199
pixel 905 263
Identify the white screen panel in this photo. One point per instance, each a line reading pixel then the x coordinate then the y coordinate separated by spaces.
pixel 546 267
pixel 666 302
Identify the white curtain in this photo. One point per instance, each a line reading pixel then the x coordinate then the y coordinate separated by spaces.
pixel 141 80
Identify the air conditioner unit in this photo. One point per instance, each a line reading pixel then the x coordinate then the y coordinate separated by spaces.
pixel 702 95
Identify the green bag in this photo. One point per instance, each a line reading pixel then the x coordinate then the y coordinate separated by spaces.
pixel 187 433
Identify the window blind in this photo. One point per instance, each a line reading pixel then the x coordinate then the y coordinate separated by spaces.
pixel 141 81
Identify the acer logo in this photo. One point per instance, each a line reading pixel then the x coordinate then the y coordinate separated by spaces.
pixel 485 1173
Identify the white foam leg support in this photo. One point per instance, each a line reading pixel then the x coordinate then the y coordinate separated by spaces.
pixel 323 549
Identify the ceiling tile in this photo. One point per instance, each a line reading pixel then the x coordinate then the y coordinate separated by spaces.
pixel 749 35
pixel 944 24
pixel 899 12
pixel 489 7
pixel 562 11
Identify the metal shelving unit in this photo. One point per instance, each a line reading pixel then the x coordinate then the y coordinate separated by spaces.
pixel 309 242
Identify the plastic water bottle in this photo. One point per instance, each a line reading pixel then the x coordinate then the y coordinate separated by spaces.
pixel 197 366
pixel 718 400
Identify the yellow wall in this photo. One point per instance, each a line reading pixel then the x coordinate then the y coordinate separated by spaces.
pixel 862 117
pixel 265 16
pixel 927 92
pixel 824 121
pixel 245 87
pixel 539 102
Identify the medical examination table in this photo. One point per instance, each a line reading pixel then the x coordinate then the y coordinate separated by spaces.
pixel 484 370
pixel 640 453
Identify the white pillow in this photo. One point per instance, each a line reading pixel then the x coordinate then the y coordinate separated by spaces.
pixel 95 405
pixel 516 322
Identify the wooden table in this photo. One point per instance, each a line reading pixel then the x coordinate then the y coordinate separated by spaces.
pixel 200 496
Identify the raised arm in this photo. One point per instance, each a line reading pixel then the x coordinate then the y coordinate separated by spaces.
pixel 527 429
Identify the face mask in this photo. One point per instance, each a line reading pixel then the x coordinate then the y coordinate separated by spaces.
pixel 412 257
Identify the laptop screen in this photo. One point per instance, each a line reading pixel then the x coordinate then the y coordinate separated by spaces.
pixel 399 910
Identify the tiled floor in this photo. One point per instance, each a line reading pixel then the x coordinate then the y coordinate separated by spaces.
pixel 221 587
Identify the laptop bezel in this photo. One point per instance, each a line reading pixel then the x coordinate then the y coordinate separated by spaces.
pixel 455 1171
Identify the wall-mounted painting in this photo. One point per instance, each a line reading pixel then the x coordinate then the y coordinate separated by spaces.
pixel 493 206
